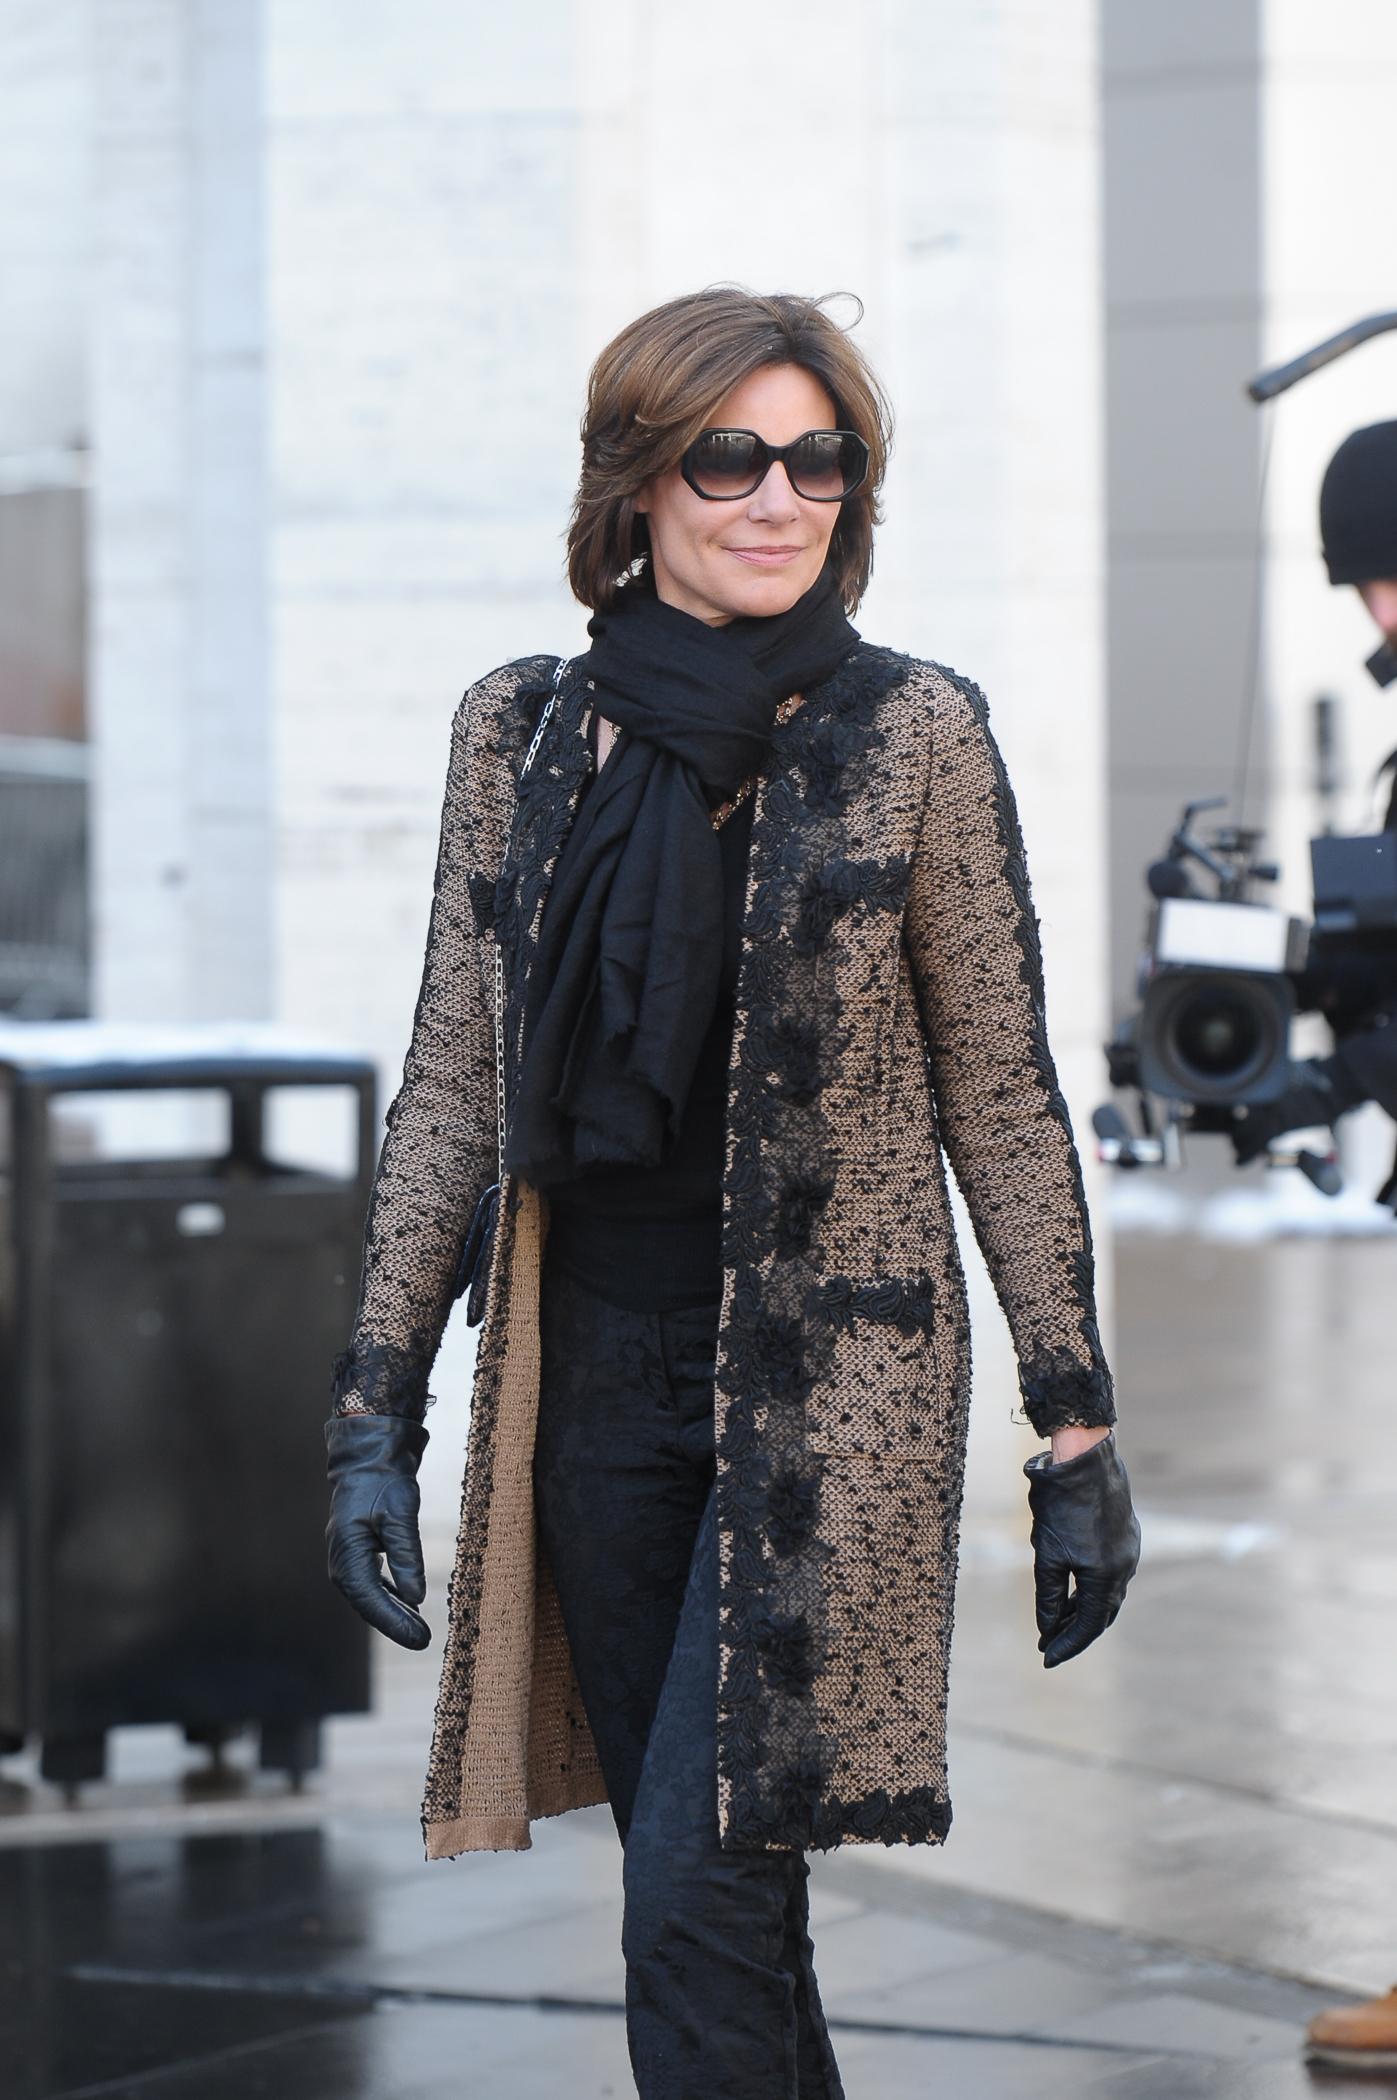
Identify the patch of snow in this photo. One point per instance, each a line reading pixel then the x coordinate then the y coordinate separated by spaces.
pixel 1167 1536
pixel 33 1045
pixel 1282 1204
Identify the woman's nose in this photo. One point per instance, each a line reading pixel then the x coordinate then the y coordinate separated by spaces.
pixel 774 497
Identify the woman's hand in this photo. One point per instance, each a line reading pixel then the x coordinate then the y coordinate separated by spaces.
pixel 374 1500
pixel 1084 1526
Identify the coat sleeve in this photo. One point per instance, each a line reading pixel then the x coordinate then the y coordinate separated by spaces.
pixel 439 1153
pixel 972 941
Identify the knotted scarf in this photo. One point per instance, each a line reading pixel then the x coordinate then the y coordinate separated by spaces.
pixel 626 974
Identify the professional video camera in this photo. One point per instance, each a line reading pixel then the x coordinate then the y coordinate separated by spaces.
pixel 1223 973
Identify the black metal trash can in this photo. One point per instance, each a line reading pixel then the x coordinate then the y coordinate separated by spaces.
pixel 167 1327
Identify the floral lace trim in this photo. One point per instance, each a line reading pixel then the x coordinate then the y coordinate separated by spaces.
pixel 776 1763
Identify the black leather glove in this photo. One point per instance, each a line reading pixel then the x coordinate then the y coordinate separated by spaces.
pixel 374 1500
pixel 1083 1525
pixel 1318 1091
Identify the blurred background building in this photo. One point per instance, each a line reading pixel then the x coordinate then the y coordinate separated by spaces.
pixel 297 304
pixel 300 297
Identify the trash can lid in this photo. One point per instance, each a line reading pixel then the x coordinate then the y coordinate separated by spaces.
pixel 73 1054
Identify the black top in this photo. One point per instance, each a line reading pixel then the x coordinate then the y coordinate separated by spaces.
pixel 650 1237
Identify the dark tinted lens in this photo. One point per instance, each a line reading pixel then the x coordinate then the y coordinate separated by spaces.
pixel 827 464
pixel 725 462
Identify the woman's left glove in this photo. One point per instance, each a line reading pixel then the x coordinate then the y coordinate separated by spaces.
pixel 1083 1525
pixel 374 1500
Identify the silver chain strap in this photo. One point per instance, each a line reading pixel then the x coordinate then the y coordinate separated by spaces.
pixel 529 757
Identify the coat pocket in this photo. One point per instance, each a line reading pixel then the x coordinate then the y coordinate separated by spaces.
pixel 880 1394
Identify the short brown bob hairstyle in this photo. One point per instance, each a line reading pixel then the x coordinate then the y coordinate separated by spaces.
pixel 657 385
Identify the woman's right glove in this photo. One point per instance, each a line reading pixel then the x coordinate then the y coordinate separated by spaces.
pixel 1083 1525
pixel 374 1500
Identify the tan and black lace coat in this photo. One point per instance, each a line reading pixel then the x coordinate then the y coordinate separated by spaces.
pixel 889 1009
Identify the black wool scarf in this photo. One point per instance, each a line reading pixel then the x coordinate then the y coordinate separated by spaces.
pixel 625 978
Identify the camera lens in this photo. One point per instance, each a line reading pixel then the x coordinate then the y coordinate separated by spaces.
pixel 1209 1035
pixel 1217 1035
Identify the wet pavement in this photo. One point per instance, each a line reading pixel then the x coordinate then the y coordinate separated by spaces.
pixel 327 1962
pixel 1165 1857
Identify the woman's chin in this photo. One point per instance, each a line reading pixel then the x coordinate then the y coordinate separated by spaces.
pixel 764 593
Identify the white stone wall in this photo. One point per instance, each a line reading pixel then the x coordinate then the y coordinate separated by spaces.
pixel 423 391
pixel 184 818
pixel 45 181
pixel 334 488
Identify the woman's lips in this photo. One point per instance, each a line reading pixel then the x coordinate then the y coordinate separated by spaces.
pixel 766 557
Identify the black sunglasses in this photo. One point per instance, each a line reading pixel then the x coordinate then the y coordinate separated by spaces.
pixel 824 466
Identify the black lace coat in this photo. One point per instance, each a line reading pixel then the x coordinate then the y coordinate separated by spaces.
pixel 889 1010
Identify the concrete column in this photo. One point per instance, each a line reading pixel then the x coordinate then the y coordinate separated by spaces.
pixel 183 874
pixel 45 64
pixel 1184 287
pixel 422 281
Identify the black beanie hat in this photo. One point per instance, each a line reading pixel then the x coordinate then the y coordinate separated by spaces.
pixel 1358 506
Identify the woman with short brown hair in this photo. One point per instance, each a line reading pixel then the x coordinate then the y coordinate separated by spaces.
pixel 731 936
pixel 655 388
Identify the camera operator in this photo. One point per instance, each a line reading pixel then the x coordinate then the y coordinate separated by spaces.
pixel 1352 983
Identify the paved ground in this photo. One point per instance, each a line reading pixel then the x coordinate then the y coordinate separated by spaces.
pixel 1164 1857
pixel 326 1962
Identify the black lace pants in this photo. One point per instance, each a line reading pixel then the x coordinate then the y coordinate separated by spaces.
pixel 721 1998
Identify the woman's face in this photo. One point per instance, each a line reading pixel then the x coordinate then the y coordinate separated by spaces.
pixel 758 553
